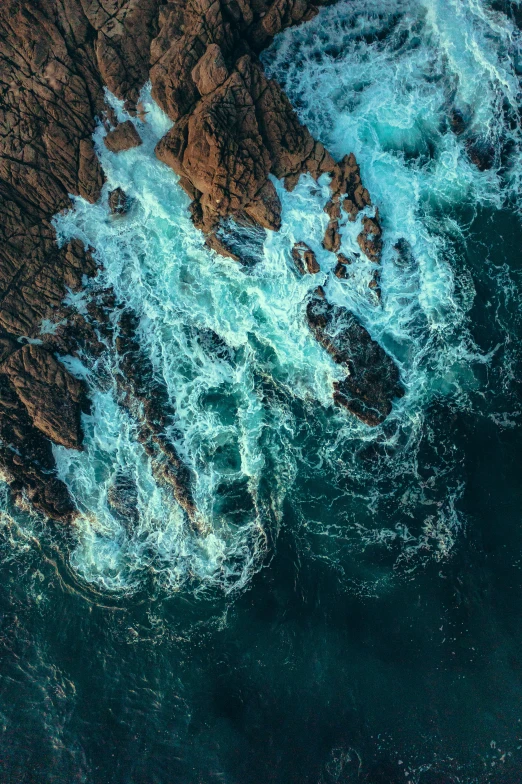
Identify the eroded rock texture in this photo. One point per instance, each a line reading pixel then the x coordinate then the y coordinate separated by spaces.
pixel 233 126
pixel 373 378
pixel 55 57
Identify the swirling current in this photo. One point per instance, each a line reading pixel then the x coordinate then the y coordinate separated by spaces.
pixel 348 608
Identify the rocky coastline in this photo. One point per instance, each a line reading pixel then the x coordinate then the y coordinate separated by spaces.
pixel 233 128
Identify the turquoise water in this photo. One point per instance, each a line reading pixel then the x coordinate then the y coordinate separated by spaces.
pixel 349 608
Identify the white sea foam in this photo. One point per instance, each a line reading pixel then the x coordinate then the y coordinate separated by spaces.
pixel 380 83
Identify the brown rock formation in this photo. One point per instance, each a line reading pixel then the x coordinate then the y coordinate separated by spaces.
pixel 119 202
pixel 373 378
pixel 55 58
pixel 234 126
pixel 305 259
pixel 123 137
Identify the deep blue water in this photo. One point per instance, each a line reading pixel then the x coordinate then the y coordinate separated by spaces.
pixel 352 611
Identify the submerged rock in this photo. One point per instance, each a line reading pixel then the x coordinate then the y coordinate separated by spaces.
pixel 146 397
pixel 481 153
pixel 373 378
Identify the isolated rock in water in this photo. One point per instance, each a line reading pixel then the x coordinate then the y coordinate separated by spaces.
pixel 119 202
pixel 332 238
pixel 457 122
pixel 373 381
pixel 481 153
pixel 123 137
pixel 369 239
pixel 305 259
pixel 53 398
pixel 346 185
pixel 340 271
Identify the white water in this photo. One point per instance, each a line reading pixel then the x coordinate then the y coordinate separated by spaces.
pixel 386 101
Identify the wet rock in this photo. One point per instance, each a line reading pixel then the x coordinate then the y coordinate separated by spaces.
pixel 119 202
pixel 332 237
pixel 342 259
pixel 52 397
pixel 265 209
pixel 234 127
pixel 404 253
pixel 481 153
pixel 375 284
pixel 123 137
pixel 373 378
pixel 55 58
pixel 147 399
pixel 340 271
pixel 210 71
pixel 457 122
pixel 370 238
pixel 305 259
pixel 346 184
pixel 333 209
pixel 122 496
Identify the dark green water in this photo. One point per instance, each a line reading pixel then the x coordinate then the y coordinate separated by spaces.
pixel 335 665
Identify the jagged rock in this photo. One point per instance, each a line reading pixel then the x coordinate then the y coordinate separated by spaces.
pixel 332 238
pixel 119 202
pixel 333 209
pixel 340 271
pixel 122 496
pixel 375 284
pixel 265 209
pixel 369 239
pixel 342 259
pixel 373 380
pixel 404 253
pixel 53 398
pixel 346 182
pixel 210 71
pixel 54 60
pixel 457 122
pixel 305 259
pixel 123 137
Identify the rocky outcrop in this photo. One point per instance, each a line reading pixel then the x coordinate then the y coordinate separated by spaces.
pixel 147 399
pixel 234 128
pixel 305 259
pixel 55 58
pixel 372 381
pixel 123 137
pixel 119 202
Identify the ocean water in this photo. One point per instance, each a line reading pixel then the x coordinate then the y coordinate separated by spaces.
pixel 347 608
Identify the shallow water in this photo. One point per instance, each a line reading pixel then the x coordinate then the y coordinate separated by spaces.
pixel 351 611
